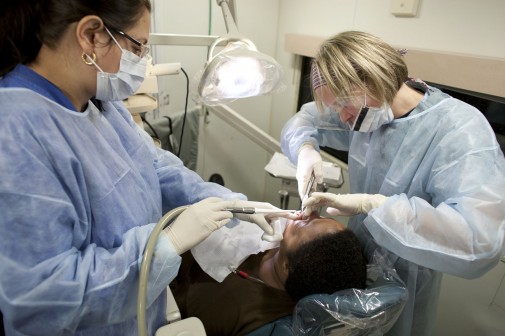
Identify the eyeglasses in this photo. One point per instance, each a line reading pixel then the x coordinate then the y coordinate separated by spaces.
pixel 340 103
pixel 142 50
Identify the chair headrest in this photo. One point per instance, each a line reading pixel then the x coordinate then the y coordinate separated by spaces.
pixel 375 308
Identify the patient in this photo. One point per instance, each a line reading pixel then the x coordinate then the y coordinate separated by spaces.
pixel 316 255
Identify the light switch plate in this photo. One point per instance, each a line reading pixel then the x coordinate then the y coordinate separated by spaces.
pixel 404 8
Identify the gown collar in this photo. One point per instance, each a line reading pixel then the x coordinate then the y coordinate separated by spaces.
pixel 23 76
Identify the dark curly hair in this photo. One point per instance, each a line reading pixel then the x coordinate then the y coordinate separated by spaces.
pixel 327 264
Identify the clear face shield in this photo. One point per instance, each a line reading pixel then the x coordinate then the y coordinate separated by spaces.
pixel 343 113
pixel 353 114
pixel 350 113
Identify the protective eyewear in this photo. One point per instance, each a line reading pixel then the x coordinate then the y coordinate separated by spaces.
pixel 142 51
pixel 350 104
pixel 354 106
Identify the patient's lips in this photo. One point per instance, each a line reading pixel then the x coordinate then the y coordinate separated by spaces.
pixel 299 214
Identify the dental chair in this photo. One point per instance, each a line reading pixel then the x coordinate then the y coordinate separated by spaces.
pixel 370 311
pixel 356 312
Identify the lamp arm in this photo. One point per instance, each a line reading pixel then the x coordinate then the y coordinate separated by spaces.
pixel 229 20
pixel 146 265
pixel 233 35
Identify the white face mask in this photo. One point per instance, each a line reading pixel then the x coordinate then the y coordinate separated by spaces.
pixel 121 85
pixel 370 119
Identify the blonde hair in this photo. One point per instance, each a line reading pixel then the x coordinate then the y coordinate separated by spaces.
pixel 357 60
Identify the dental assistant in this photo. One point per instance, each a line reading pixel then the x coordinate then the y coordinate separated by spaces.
pixel 427 176
pixel 82 186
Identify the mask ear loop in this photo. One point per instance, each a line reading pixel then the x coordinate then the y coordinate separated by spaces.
pixel 91 60
pixel 113 38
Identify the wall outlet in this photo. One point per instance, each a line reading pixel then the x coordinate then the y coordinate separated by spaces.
pixel 165 99
pixel 404 8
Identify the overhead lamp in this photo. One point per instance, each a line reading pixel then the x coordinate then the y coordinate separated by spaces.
pixel 239 70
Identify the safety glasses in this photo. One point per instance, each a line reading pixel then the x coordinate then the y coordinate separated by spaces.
pixel 353 106
pixel 141 49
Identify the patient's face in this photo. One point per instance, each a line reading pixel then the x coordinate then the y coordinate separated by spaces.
pixel 300 231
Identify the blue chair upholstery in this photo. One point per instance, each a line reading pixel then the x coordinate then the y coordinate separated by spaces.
pixel 280 327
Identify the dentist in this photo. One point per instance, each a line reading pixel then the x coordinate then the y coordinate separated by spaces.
pixel 81 185
pixel 427 175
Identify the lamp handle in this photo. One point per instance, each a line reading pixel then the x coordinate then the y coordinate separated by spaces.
pixel 229 39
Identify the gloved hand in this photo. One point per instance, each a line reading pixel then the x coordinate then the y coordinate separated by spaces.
pixel 343 205
pixel 197 222
pixel 309 160
pixel 262 220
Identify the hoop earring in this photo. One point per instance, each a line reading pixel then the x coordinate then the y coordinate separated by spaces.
pixel 85 57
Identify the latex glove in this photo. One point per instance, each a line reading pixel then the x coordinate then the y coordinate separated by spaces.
pixel 262 220
pixel 309 160
pixel 343 205
pixel 197 222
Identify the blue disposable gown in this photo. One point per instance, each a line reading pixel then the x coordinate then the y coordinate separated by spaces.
pixel 79 196
pixel 444 173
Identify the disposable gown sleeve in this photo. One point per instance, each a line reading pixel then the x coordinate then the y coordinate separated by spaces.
pixel 182 186
pixel 461 231
pixel 302 128
pixel 52 278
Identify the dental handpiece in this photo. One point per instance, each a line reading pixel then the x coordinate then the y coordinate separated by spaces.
pixel 252 210
pixel 244 210
pixel 274 237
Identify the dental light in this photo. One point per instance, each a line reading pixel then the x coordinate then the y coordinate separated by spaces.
pixel 237 71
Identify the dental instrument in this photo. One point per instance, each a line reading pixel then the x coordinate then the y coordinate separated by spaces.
pixel 251 210
pixel 277 235
pixel 272 238
pixel 308 190
pixel 247 276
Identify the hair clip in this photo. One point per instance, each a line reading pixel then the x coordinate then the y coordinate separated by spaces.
pixel 403 52
pixel 317 79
